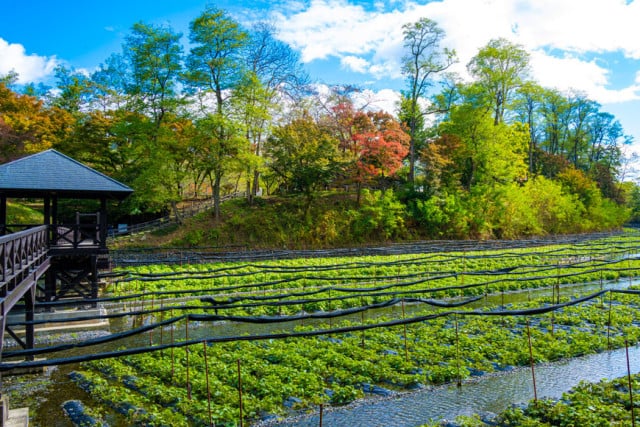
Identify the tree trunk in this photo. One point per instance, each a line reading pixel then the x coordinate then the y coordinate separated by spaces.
pixel 216 196
pixel 176 212
pixel 249 191
pixel 256 182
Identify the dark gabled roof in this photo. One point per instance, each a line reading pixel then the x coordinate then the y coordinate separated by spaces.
pixel 52 173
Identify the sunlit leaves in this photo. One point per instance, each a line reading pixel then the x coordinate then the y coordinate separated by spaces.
pixel 27 126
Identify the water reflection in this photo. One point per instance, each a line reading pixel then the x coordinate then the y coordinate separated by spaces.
pixel 492 393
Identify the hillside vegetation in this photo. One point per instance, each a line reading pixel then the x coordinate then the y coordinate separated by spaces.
pixel 20 213
pixel 336 220
pixel 494 157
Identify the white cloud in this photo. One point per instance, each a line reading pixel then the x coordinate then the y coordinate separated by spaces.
pixel 355 63
pixel 386 70
pixel 30 68
pixel 586 76
pixel 336 27
pixel 581 25
pixel 568 29
pixel 385 100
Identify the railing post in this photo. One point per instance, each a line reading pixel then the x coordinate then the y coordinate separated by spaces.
pixel 76 231
pixel 3 214
pixel 102 223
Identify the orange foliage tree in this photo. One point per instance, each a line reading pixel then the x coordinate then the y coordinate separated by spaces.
pixel 27 126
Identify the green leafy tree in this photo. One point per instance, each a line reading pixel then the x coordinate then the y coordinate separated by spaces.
pixel 278 69
pixel 153 59
pixel 488 154
pixel 251 105
pixel 220 145
pixel 111 81
pixel 528 109
pixel 305 156
pixel 154 54
pixel 555 109
pixel 424 59
pixel 214 68
pixel 214 63
pixel 500 68
pixel 581 109
pixel 75 91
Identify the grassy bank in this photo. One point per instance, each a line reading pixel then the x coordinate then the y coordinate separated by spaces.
pixel 333 220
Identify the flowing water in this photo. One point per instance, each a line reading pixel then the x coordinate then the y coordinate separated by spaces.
pixel 489 393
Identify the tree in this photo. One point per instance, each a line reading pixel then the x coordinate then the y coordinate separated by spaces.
pixel 75 90
pixel 251 104
pixel 305 155
pixel 554 107
pixel 214 63
pixel 443 157
pixel 424 59
pixel 486 154
pixel 382 146
pixel 278 69
pixel 139 93
pixel 220 145
pixel 500 68
pixel 528 109
pixel 580 111
pixel 215 67
pixel 27 126
pixel 372 143
pixel 154 55
pixel 111 81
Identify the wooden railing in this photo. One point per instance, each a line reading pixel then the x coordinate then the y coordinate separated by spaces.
pixel 64 236
pixel 23 258
pixel 76 236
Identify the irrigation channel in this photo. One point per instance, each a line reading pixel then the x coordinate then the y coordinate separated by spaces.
pixel 487 395
pixel 483 393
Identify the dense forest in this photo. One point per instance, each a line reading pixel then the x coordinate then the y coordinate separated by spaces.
pixel 494 156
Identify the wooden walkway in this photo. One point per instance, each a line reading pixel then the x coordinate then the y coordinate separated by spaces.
pixel 24 258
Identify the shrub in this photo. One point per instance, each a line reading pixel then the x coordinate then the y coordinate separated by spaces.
pixel 381 214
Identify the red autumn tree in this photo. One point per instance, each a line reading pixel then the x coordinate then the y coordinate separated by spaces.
pixel 382 148
pixel 373 142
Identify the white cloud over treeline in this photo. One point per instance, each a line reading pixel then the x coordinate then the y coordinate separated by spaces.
pixel 562 36
pixel 30 67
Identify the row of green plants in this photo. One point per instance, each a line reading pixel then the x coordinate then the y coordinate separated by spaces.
pixel 180 386
pixel 607 403
pixel 400 265
pixel 335 283
pixel 603 404
pixel 279 376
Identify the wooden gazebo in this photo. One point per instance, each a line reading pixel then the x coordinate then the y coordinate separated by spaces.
pixel 75 247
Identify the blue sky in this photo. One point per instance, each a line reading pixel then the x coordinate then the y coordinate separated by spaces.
pixel 591 46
